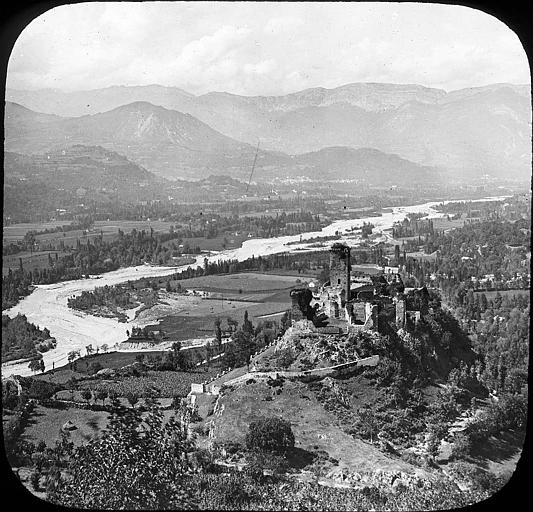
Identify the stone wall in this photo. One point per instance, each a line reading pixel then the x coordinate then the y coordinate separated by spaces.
pixel 339 369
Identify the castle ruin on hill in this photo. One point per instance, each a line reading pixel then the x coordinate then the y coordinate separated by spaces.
pixel 351 301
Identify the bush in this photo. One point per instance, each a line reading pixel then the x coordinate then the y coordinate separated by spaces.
pixel 41 389
pixel 461 446
pixel 94 367
pixel 283 358
pixel 270 435
pixel 226 492
pixel 34 480
pixel 257 462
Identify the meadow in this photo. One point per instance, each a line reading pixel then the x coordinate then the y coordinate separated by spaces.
pixel 45 424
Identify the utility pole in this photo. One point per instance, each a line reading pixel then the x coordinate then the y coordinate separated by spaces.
pixel 253 167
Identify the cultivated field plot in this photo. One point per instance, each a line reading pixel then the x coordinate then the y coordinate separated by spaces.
pixel 166 384
pixel 422 256
pixel 112 226
pixel 219 243
pixel 45 424
pixel 509 293
pixel 30 261
pixel 311 424
pixel 447 224
pixel 17 231
pixel 248 282
pixel 109 230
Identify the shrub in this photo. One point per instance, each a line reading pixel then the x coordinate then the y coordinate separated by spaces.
pixel 227 492
pixel 87 394
pixel 42 390
pixel 461 446
pixel 270 435
pixel 283 358
pixel 34 480
pixel 94 367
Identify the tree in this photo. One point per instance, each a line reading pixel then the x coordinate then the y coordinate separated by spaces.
pixel 89 349
pixel 461 446
pixel 87 394
pixel 270 435
pixel 218 334
pixel 72 355
pixel 105 347
pixel 232 324
pixel 368 423
pixel 101 394
pixel 247 326
pixel 132 398
pixel 35 365
pixel 178 358
pixel 94 367
pixel 244 346
pixel 208 354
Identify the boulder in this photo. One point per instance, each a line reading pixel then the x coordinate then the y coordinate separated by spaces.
pixel 69 426
pixel 105 372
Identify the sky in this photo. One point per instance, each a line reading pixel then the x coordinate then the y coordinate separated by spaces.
pixel 266 48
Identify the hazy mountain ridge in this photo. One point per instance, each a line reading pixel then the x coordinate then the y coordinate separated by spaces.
pixel 167 142
pixel 176 145
pixel 89 167
pixel 482 130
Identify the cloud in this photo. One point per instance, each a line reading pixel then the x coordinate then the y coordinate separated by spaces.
pixel 261 68
pixel 282 24
pixel 212 47
pixel 264 48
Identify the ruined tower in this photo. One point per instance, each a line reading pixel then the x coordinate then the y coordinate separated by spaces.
pixel 339 268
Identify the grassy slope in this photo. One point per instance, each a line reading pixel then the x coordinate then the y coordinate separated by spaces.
pixel 313 427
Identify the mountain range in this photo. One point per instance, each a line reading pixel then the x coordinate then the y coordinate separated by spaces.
pixel 469 132
pixel 176 145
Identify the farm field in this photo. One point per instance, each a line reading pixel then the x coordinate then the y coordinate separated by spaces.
pixel 107 229
pixel 422 256
pixel 112 226
pixel 492 293
pixel 367 269
pixel 17 231
pixel 219 243
pixel 164 384
pixel 247 282
pixel 30 261
pixel 45 424
pixel 447 224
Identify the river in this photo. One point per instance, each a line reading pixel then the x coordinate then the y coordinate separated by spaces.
pixel 47 306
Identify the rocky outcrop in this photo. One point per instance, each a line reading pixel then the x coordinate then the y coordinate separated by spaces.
pixel 394 480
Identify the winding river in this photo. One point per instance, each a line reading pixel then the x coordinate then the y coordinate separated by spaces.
pixel 47 306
